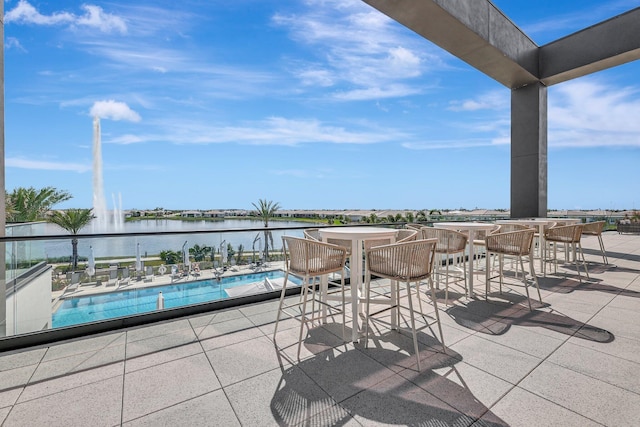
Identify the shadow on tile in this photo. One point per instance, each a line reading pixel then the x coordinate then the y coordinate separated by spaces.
pixel 370 393
pixel 564 285
pixel 497 317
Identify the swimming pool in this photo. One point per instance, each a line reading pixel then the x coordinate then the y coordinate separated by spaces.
pixel 91 308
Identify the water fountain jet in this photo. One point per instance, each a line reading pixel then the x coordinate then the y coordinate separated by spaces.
pixel 102 222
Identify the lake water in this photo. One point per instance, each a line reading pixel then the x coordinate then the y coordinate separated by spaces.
pixel 152 245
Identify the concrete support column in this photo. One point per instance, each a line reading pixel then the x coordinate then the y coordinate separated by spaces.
pixel 529 151
pixel 3 273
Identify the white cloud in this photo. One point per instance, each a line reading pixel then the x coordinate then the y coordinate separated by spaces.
pixel 453 144
pixel 588 113
pixel 180 66
pixel 25 13
pixel 560 25
pixel 94 17
pixel 114 110
pixel 13 43
pixel 402 59
pixel 283 131
pixel 495 100
pixel 16 162
pixel 270 131
pixel 359 48
pixel 154 20
pixel 316 77
pixel 125 139
pixel 139 55
pixel 391 91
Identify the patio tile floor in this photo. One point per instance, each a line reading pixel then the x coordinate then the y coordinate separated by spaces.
pixel 574 361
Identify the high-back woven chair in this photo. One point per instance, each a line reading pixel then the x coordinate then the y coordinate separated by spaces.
pixel 314 234
pixel 513 243
pixel 408 262
pixel 570 236
pixel 403 235
pixel 479 241
pixel 595 229
pixel 450 244
pixel 309 260
pixel 506 228
pixel 414 226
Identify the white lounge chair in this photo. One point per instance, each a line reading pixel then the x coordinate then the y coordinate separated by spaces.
pixel 124 278
pixel 74 283
pixel 176 274
pixel 195 270
pixel 148 273
pixel 113 277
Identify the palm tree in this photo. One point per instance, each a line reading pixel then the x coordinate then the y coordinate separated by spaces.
pixel 72 220
pixel 9 209
pixel 266 210
pixel 435 212
pixel 170 257
pixel 239 254
pixel 29 204
pixel 199 253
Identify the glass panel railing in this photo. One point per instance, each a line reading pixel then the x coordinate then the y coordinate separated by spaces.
pixel 55 282
pixel 62 281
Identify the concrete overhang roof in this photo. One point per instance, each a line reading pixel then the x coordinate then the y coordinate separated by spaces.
pixel 478 33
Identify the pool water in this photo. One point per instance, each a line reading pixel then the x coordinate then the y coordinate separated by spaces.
pixel 91 308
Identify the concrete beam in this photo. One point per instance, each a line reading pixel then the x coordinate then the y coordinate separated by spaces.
pixel 604 45
pixel 473 30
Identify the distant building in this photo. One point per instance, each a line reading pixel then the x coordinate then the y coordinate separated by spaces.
pixel 191 214
pixel 214 214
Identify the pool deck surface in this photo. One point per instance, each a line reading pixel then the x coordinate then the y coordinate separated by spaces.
pixel 572 361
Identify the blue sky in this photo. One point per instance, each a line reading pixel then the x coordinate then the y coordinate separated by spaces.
pixel 316 104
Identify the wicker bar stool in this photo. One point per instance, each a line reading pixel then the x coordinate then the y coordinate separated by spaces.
pixel 414 226
pixel 314 234
pixel 408 262
pixel 507 228
pixel 595 229
pixel 403 235
pixel 513 243
pixel 570 236
pixel 450 243
pixel 309 259
pixel 480 242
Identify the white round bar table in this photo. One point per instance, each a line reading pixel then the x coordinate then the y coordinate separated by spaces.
pixel 357 235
